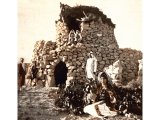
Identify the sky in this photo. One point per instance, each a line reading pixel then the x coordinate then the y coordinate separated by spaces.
pixel 36 21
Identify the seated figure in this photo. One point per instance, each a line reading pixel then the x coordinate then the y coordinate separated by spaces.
pixel 105 101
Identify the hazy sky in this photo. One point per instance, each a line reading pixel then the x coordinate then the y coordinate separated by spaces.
pixel 36 20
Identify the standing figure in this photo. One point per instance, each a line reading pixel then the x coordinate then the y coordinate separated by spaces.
pixel 34 71
pixel 78 37
pixel 83 20
pixel 28 76
pixel 71 38
pixel 91 66
pixel 140 71
pixel 21 74
pixel 60 73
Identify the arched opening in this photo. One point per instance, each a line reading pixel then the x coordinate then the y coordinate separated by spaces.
pixel 60 73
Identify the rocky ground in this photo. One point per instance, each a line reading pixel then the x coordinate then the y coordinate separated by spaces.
pixel 34 103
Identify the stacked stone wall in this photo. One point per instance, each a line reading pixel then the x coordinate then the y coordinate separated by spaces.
pixel 129 59
pixel 96 37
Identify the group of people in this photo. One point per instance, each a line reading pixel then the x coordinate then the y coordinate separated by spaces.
pixel 31 72
pixel 31 75
pixel 74 37
pixel 99 96
pixel 108 99
pixel 60 71
pixel 93 95
pixel 96 98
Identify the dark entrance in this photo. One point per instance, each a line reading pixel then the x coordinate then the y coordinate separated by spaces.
pixel 72 23
pixel 60 74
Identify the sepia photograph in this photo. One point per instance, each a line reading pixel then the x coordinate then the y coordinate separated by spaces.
pixel 79 60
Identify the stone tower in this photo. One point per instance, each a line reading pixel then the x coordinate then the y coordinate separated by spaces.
pixel 97 36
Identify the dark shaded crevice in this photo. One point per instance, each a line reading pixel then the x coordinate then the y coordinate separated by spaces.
pixel 72 23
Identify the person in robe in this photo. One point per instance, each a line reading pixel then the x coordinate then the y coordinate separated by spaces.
pixel 34 71
pixel 21 73
pixel 91 67
pixel 105 101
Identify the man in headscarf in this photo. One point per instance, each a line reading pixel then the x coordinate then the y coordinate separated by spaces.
pixel 91 66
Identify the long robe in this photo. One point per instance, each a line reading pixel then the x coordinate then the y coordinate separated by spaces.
pixel 91 67
pixel 104 110
pixel 34 71
pixel 21 74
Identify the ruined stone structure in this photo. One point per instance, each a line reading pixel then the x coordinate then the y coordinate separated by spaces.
pixel 129 58
pixel 97 36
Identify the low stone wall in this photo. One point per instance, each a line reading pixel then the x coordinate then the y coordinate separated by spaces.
pixel 129 59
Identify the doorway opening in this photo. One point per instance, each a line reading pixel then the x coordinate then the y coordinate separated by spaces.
pixel 60 74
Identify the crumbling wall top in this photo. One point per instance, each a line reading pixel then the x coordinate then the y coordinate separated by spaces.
pixel 72 14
